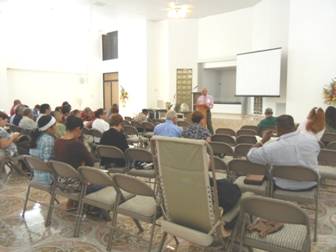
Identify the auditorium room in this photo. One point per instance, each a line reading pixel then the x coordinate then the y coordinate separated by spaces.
pixel 167 125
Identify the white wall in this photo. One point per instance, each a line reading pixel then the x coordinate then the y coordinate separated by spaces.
pixel 311 54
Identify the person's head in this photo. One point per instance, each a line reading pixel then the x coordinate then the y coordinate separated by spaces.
pixel 46 123
pixel 66 109
pixel 3 119
pixel 145 111
pixel 330 116
pixel 74 125
pixel 58 116
pixel 116 121
pixel 315 120
pixel 19 110
pixel 171 115
pixel 100 113
pixel 59 109
pixel 45 109
pixel 114 109
pixel 76 113
pixel 87 114
pixel 285 124
pixel 28 113
pixel 204 91
pixel 268 112
pixel 16 102
pixel 65 103
pixel 196 117
pixel 37 107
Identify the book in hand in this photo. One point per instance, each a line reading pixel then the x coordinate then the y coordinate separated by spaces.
pixel 254 179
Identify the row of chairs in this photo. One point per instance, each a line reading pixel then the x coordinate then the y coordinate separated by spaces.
pixel 231 132
pixel 234 140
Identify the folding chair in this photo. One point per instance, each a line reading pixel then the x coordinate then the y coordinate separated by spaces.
pixel 222 150
pixel 222 170
pixel 241 150
pixel 328 138
pixel 97 135
pixel 140 155
pixel 293 237
pixel 225 131
pixel 183 124
pixel 112 152
pixel 148 129
pixel 246 139
pixel 250 127
pixel 224 139
pixel 327 164
pixel 132 135
pixel 301 174
pixel 331 145
pixel 143 207
pixel 246 132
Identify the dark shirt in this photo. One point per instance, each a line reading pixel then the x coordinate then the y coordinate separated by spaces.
pixel 196 131
pixel 117 139
pixel 17 119
pixel 267 123
pixel 72 152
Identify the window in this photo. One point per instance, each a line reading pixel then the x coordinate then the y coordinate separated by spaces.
pixel 110 45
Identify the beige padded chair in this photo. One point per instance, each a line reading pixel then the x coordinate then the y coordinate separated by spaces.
pixel 294 236
pixel 226 131
pixel 327 164
pixel 143 207
pixel 246 139
pixel 36 164
pixel 246 132
pixel 230 140
pixel 108 151
pixel 241 150
pixel 297 173
pixel 61 169
pixel 183 166
pixel 240 168
pixel 104 198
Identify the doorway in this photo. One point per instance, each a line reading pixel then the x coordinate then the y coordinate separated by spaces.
pixel 110 89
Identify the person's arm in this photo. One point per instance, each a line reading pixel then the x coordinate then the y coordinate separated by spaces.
pixel 85 155
pixel 123 142
pixel 211 102
pixel 258 153
pixel 5 142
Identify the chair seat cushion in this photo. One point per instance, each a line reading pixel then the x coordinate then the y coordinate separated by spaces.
pixel 187 234
pixel 327 172
pixel 258 189
pixel 139 207
pixel 289 237
pixel 142 173
pixel 299 196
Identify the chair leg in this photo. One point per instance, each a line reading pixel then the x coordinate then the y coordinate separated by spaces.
pixel 78 219
pixel 26 201
pixel 151 236
pixel 316 220
pixel 163 239
pixel 112 229
pixel 51 205
pixel 137 223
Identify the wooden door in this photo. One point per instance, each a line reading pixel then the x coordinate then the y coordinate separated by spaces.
pixel 111 89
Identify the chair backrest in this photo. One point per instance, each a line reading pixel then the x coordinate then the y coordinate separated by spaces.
pixel 183 173
pixel 127 118
pixel 328 137
pixel 132 185
pixel 331 145
pixel 298 173
pixel 64 170
pixel 96 133
pixel 246 132
pixel 327 157
pixel 223 138
pixel 219 148
pixel 108 151
pixel 249 127
pixel 125 122
pixel 35 163
pixel 183 124
pixel 225 131
pixel 95 176
pixel 148 126
pixel 134 154
pixel 130 130
pixel 242 149
pixel 242 167
pixel 274 210
pixel 220 165
pixel 246 139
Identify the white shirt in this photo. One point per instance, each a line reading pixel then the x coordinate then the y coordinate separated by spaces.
pixel 101 125
pixel 205 100
pixel 293 148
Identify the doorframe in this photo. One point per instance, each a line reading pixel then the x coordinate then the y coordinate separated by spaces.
pixel 117 73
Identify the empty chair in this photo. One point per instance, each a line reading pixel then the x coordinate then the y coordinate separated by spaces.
pixel 331 145
pixel 148 129
pixel 224 138
pixel 328 137
pixel 327 164
pixel 240 168
pixel 294 236
pixel 143 207
pixel 298 174
pixel 241 150
pixel 226 131
pixel 104 198
pixel 246 132
pixel 246 139
pixel 250 127
pixel 112 158
pixel 222 150
pixel 222 170
pixel 140 155
pixel 132 135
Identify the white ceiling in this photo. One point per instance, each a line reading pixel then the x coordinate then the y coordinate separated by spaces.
pixel 157 9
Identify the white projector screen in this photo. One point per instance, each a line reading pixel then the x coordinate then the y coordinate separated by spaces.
pixel 258 73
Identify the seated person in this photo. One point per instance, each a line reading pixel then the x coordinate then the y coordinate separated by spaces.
pixel 36 111
pixel 7 146
pixel 292 148
pixel 60 127
pixel 113 111
pixel 269 122
pixel 16 118
pixel 196 131
pixel 114 137
pixel 42 146
pixel 100 123
pixel 330 119
pixel 45 109
pixel 16 103
pixel 141 117
pixel 169 127
pixel 87 116
pixel 314 124
pixel 27 121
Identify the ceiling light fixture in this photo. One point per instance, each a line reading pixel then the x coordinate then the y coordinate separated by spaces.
pixel 176 10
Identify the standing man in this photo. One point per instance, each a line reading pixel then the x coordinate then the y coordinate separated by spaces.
pixel 208 101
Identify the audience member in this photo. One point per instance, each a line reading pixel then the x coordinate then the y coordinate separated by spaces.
pixel 314 124
pixel 196 131
pixel 36 111
pixel 168 128
pixel 100 123
pixel 60 127
pixel 13 108
pixel 16 118
pixel 114 137
pixel 7 146
pixel 76 113
pixel 27 121
pixel 292 148
pixel 113 111
pixel 44 110
pixel 87 117
pixel 330 119
pixel 142 116
pixel 42 146
pixel 269 122
pixel 66 109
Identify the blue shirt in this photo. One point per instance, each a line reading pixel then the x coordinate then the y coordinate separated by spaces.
pixel 168 128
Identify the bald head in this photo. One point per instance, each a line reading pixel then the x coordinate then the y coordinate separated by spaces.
pixel 171 115
pixel 204 91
